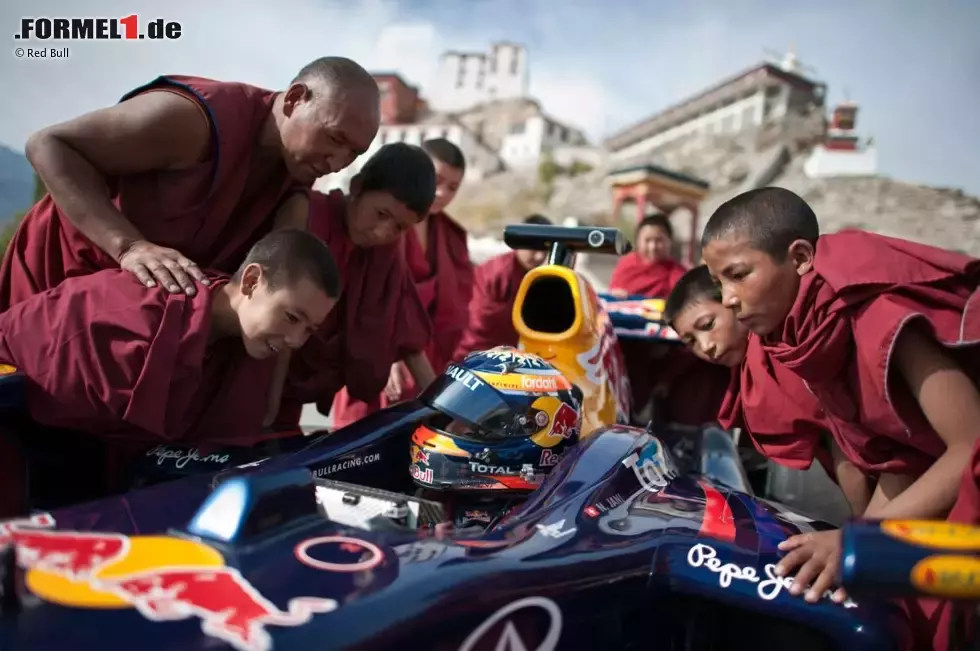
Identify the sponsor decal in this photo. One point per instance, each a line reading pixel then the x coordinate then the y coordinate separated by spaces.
pixel 424 476
pixel 604 361
pixel 563 422
pixel 7 369
pixel 554 530
pixel 468 380
pixel 769 588
pixel 419 455
pixel 163 578
pixel 526 383
pixel 421 551
pixel 549 458
pixel 937 534
pixel 36 521
pixel 950 576
pixel 491 470
pixel 651 466
pixel 605 505
pixel 183 456
pixel 359 555
pixel 347 464
pixel 502 631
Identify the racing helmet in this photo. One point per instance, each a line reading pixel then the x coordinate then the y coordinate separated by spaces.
pixel 505 419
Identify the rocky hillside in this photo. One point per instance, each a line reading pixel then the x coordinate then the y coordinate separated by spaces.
pixel 732 164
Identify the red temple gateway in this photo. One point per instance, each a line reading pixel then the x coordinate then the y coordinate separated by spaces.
pixel 642 189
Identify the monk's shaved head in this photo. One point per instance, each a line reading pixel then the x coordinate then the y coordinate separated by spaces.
pixel 770 219
pixel 405 172
pixel 337 73
pixel 695 285
pixel 327 117
pixel 289 255
pixel 446 152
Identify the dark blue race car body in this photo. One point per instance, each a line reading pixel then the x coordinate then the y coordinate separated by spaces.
pixel 637 539
pixel 603 555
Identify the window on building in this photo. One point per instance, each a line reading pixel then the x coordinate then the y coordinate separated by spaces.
pixel 728 124
pixel 748 116
pixel 513 62
pixel 382 137
pixel 516 128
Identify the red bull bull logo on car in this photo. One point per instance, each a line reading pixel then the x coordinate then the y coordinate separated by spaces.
pixel 164 578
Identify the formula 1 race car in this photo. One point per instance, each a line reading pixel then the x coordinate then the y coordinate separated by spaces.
pixel 638 538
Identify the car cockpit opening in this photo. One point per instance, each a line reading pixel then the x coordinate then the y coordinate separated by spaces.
pixel 549 305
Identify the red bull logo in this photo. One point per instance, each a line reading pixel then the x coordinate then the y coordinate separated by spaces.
pixel 419 455
pixel 163 578
pixel 562 425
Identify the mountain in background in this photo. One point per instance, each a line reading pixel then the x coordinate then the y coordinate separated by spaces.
pixel 16 184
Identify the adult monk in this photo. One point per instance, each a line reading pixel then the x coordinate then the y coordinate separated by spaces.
pixel 106 356
pixel 439 264
pixel 379 319
pixel 649 270
pixel 184 173
pixel 788 426
pixel 883 331
pixel 495 284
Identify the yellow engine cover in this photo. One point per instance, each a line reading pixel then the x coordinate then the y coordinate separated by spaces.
pixel 587 352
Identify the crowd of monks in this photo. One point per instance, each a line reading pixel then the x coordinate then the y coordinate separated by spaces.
pixel 182 282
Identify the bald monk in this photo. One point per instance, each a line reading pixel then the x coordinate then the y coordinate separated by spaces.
pixel 883 331
pixel 379 319
pixel 439 263
pixel 183 174
pixel 107 356
pixel 649 270
pixel 788 426
pixel 496 281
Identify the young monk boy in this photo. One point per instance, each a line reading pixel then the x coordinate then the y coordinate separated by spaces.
pixel 105 355
pixel 650 269
pixel 881 330
pixel 379 319
pixel 439 263
pixel 788 427
pixel 495 284
pixel 183 174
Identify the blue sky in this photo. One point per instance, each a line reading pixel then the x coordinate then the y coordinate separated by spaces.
pixel 913 66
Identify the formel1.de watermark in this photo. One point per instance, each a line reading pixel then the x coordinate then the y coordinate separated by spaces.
pixel 127 28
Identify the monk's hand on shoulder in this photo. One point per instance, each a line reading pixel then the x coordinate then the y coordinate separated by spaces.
pixel 157 265
pixel 818 556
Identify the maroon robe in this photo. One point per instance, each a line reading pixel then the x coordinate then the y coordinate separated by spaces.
pixel 132 365
pixel 105 355
pixel 378 320
pixel 781 417
pixel 212 212
pixel 491 322
pixel 443 277
pixel 636 276
pixel 839 338
pixel 840 334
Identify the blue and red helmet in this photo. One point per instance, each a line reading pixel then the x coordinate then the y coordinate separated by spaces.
pixel 506 418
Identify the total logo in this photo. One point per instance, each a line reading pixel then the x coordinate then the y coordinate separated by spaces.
pixel 491 470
